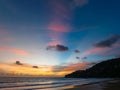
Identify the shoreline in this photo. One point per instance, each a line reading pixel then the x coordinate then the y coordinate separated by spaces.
pixel 81 85
pixel 102 85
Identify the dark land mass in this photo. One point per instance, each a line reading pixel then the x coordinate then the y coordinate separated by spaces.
pixel 105 69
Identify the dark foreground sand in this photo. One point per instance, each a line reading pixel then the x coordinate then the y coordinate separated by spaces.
pixel 107 85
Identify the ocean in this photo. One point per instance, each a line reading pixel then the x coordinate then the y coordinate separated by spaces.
pixel 39 83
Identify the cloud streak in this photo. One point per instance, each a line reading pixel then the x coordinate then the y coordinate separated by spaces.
pixel 105 47
pixel 94 51
pixel 14 51
pixel 59 26
pixel 60 48
pixel 61 14
pixel 73 67
pixel 108 42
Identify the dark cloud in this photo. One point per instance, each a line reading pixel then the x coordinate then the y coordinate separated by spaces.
pixel 108 42
pixel 61 48
pixel 76 51
pixel 18 63
pixel 58 47
pixel 77 57
pixel 35 67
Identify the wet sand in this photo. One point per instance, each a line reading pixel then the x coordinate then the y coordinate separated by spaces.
pixel 107 85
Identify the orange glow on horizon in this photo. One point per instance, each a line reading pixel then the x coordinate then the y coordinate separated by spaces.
pixel 24 70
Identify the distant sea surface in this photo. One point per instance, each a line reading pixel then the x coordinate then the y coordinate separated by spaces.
pixel 39 83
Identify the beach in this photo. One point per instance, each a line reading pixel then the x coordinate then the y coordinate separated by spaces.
pixel 44 83
pixel 107 85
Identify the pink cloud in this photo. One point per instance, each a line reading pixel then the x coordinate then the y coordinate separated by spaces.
pixel 115 50
pixel 14 51
pixel 55 38
pixel 54 43
pixel 76 66
pixel 95 51
pixel 72 67
pixel 103 51
pixel 60 13
pixel 117 44
pixel 112 52
pixel 59 27
pixel 59 17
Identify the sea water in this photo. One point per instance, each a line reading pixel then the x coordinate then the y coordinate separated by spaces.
pixel 43 83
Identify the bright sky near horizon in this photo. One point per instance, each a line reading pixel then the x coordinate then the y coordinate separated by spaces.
pixel 56 37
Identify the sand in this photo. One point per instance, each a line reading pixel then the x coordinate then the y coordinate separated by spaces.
pixel 108 85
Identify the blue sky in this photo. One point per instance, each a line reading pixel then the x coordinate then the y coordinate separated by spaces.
pixel 29 27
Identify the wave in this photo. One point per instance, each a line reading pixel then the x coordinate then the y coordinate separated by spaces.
pixel 45 83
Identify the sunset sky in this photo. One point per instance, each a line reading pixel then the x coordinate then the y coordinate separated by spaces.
pixel 56 37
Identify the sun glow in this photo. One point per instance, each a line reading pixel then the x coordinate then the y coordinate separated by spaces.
pixel 27 70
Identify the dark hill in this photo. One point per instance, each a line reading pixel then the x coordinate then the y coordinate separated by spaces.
pixel 104 69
